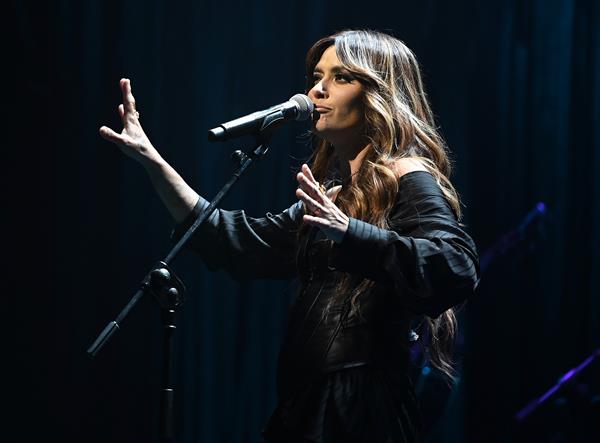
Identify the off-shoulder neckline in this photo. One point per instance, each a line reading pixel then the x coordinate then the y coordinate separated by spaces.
pixel 412 173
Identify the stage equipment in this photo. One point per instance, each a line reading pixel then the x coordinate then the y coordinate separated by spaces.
pixel 161 281
pixel 299 107
pixel 567 377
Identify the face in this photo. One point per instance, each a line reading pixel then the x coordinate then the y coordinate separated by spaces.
pixel 337 96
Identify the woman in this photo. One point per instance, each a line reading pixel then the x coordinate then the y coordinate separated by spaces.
pixel 374 239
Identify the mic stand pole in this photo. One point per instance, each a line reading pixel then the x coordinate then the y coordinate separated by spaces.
pixel 168 291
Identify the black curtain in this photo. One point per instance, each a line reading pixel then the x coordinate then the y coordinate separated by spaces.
pixel 515 86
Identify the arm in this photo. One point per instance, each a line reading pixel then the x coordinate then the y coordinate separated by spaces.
pixel 425 256
pixel 244 246
pixel 174 192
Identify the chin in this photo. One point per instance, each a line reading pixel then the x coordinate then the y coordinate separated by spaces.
pixel 321 129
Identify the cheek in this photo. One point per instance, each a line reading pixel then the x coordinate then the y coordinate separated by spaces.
pixel 354 111
pixel 353 104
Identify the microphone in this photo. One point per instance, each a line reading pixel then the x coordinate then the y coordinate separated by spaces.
pixel 299 107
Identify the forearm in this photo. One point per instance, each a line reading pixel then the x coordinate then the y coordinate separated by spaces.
pixel 175 193
pixel 246 247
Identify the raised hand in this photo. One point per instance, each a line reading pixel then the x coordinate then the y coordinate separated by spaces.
pixel 132 140
pixel 321 211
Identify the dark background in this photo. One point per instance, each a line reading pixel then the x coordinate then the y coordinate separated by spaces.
pixel 515 86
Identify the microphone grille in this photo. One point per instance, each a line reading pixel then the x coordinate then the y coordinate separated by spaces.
pixel 305 106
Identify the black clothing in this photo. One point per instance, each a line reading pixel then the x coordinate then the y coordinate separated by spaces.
pixel 343 377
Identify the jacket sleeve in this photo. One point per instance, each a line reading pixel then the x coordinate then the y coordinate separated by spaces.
pixel 244 246
pixel 425 256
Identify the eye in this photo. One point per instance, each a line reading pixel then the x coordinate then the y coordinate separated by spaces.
pixel 343 77
pixel 316 77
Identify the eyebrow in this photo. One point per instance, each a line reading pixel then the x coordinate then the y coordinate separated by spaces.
pixel 335 69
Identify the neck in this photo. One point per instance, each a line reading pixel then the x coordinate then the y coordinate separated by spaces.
pixel 350 159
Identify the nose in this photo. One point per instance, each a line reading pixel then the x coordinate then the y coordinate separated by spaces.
pixel 318 90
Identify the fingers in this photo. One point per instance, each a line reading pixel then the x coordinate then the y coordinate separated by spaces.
pixel 309 192
pixel 306 170
pixel 126 118
pixel 315 221
pixel 128 100
pixel 332 193
pixel 110 135
pixel 126 111
pixel 310 195
pixel 310 186
pixel 321 211
pixel 312 205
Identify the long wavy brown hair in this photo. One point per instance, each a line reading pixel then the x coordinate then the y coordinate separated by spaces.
pixel 398 124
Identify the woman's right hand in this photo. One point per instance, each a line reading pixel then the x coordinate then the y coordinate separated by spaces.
pixel 132 140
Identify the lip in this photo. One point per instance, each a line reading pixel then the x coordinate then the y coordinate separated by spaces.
pixel 322 109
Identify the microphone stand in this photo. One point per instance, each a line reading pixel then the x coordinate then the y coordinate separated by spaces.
pixel 168 290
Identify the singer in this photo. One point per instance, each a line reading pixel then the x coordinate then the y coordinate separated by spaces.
pixel 374 240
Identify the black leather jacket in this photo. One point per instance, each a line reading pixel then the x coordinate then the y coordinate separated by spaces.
pixel 424 264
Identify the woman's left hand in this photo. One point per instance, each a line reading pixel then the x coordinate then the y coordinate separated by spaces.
pixel 320 209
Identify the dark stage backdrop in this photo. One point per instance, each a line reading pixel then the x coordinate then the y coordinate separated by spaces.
pixel 515 85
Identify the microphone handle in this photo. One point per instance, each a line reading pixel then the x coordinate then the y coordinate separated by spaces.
pixel 252 122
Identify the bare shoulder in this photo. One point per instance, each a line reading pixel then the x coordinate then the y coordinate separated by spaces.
pixel 405 165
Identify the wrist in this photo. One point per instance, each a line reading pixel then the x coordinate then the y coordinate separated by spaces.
pixel 152 162
pixel 341 230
